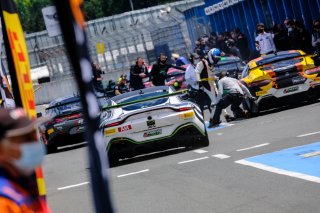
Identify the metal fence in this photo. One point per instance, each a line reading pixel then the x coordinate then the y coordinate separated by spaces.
pixel 115 42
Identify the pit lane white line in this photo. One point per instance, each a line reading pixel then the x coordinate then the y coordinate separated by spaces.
pixel 133 173
pixel 308 134
pixel 72 186
pixel 221 156
pixel 200 151
pixel 253 147
pixel 279 171
pixel 189 161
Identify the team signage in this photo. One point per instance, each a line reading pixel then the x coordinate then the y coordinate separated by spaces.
pixel 51 21
pixel 220 6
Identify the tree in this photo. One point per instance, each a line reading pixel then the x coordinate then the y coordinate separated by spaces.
pixel 94 9
pixel 31 15
pixel 32 19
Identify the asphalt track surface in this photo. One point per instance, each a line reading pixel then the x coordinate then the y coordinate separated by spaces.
pixel 270 163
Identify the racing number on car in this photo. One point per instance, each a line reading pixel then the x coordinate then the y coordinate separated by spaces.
pixel 151 124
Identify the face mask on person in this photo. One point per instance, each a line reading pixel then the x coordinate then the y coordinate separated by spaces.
pixel 32 155
pixel 196 61
pixel 260 31
pixel 290 29
pixel 163 61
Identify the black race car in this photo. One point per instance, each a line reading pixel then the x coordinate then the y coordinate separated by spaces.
pixel 66 125
pixel 232 64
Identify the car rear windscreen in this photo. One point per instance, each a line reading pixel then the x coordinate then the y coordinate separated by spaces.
pixel 144 104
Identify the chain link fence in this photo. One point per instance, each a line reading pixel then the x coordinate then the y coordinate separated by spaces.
pixel 115 42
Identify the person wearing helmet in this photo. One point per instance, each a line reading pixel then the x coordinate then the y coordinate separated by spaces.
pixel 230 92
pixel 214 56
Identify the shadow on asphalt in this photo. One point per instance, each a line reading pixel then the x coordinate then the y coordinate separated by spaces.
pixel 69 148
pixel 155 155
pixel 288 107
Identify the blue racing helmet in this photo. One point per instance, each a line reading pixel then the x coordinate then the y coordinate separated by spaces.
pixel 215 52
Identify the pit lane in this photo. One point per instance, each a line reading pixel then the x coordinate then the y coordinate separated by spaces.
pixel 209 179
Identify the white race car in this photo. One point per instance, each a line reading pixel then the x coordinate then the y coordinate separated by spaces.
pixel 134 122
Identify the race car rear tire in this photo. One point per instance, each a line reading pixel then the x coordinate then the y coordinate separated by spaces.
pixel 113 161
pixel 255 111
pixel 51 149
pixel 205 141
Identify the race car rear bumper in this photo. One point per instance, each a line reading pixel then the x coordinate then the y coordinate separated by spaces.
pixel 63 139
pixel 267 102
pixel 182 136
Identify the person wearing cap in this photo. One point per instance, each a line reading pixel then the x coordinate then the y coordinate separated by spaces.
pixel 179 60
pixel 230 92
pixel 264 41
pixel 121 87
pixel 21 153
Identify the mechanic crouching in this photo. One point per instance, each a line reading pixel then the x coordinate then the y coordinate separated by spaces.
pixel 230 92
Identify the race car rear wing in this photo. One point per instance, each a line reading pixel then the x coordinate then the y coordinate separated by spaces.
pixel 181 92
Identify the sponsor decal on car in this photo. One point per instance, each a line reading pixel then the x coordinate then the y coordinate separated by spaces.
pixel 152 133
pixel 260 93
pixel 298 80
pixel 124 128
pixel 291 89
pixel 50 131
pixel 151 124
pixel 108 132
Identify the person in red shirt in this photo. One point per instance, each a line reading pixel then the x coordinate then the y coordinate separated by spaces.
pixel 20 153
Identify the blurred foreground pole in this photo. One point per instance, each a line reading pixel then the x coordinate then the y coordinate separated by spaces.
pixel 19 68
pixel 73 28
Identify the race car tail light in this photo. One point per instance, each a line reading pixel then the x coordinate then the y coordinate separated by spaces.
pixel 260 83
pixel 187 115
pixel 312 71
pixel 114 124
pixel 182 109
pixel 58 120
pixel 68 117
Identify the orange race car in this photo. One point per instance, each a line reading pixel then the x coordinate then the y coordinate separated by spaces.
pixel 282 78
